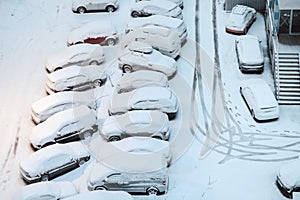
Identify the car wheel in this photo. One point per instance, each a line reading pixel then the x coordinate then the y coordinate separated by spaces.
pixel 135 14
pixel 127 69
pixel 97 83
pixel 110 9
pixel 94 62
pixel 45 177
pixel 81 10
pixel 110 42
pixel 114 138
pixel 152 190
pixel 100 188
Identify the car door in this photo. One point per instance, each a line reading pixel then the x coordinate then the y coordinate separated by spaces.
pixel 57 165
pixel 68 133
pixel 113 182
pixel 101 5
pixel 91 5
pixel 137 129
pixel 132 183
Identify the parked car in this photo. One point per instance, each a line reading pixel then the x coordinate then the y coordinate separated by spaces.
pixel 240 19
pixel 178 2
pixel 165 40
pixel 135 58
pixel 65 126
pixel 259 99
pixel 82 55
pixel 46 190
pixel 75 78
pixel 103 178
pixel 288 179
pixel 175 24
pixel 82 6
pixel 139 79
pixel 101 32
pixel 249 53
pixel 145 98
pixel 156 7
pixel 53 161
pixel 51 104
pixel 149 123
pixel 147 147
pixel 102 195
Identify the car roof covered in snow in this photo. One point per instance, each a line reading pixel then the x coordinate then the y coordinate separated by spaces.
pixel 250 50
pixel 158 20
pixel 164 4
pixel 139 47
pixel 102 195
pixel 150 93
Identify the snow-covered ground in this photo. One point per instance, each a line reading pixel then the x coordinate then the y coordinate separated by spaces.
pixel 245 160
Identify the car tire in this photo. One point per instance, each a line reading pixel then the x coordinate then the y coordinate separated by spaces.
pixel 45 177
pixel 100 188
pixel 114 138
pixel 152 191
pixel 135 14
pixel 97 83
pixel 110 42
pixel 110 8
pixel 81 9
pixel 94 62
pixel 127 69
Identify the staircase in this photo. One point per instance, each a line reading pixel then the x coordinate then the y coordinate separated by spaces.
pixel 287 78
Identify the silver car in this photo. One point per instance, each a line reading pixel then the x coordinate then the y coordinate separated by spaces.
pixel 145 98
pixel 136 123
pixel 141 78
pixel 82 6
pixel 75 78
pixel 103 178
pixel 53 161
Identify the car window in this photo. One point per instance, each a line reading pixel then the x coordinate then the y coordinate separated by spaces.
pixel 113 178
pixel 69 128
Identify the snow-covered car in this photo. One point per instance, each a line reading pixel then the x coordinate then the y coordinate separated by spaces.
pixel 65 126
pixel 82 6
pixel 147 123
pixel 101 195
pixel 145 98
pixel 249 53
pixel 135 58
pixel 178 2
pixel 101 32
pixel 82 55
pixel 75 78
pixel 46 190
pixel 104 178
pixel 156 7
pixel 139 79
pixel 260 99
pixel 51 104
pixel 288 178
pixel 175 24
pixel 163 39
pixel 53 161
pixel 240 19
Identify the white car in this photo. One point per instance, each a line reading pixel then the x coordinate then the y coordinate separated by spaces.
pixel 53 161
pixel 156 7
pixel 259 99
pixel 249 53
pixel 288 179
pixel 82 6
pixel 148 123
pixel 178 2
pixel 46 190
pixel 141 78
pixel 75 78
pixel 82 55
pixel 175 24
pixel 101 32
pixel 51 104
pixel 145 98
pixel 135 58
pixel 240 19
pixel 102 195
pixel 65 126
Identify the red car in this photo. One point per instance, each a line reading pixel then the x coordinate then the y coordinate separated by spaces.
pixel 96 32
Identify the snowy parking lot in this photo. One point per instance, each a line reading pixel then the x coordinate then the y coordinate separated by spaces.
pixel 245 158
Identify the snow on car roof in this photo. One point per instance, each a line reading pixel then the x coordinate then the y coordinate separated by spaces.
pixel 150 93
pixel 103 195
pixel 140 47
pixel 164 4
pixel 262 92
pixel 250 50
pixel 92 29
pixel 158 20
pixel 239 9
pixel 290 173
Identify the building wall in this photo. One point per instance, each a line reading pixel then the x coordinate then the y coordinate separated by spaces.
pixel 259 5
